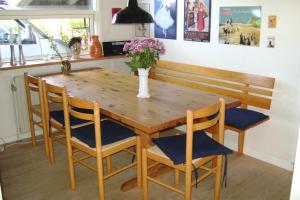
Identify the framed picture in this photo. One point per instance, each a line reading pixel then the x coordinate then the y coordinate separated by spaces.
pixel 114 11
pixel 197 20
pixel 240 25
pixel 165 17
pixel 272 21
pixel 143 30
pixel 271 42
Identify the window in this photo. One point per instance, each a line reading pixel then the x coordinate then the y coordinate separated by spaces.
pixel 64 4
pixel 35 23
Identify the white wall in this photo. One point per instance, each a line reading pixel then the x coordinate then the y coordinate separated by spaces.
pixel 275 140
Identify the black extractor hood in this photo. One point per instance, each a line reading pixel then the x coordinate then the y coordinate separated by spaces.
pixel 132 14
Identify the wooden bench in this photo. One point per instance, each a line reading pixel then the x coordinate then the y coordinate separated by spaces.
pixel 252 90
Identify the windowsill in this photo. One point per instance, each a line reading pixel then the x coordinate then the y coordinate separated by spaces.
pixel 40 63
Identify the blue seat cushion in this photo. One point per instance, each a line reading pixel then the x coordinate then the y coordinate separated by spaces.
pixel 110 132
pixel 242 119
pixel 175 147
pixel 58 115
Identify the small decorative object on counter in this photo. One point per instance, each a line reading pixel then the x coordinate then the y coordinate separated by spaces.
pixel 66 65
pixel 21 53
pixel 75 47
pixel 144 54
pixel 95 47
pixel 13 60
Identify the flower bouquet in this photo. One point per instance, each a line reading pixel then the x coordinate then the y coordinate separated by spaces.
pixel 144 54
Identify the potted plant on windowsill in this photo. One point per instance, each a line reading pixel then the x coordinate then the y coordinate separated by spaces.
pixel 144 54
pixel 66 65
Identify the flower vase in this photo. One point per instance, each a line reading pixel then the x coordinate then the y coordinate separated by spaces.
pixel 95 47
pixel 143 83
pixel 66 67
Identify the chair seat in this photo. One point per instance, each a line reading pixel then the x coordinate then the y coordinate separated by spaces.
pixel 174 147
pixel 105 147
pixel 243 118
pixel 111 132
pixel 157 151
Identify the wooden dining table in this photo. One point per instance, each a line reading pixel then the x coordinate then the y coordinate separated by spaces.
pixel 117 94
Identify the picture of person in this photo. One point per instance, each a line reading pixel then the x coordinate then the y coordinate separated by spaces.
pixel 165 19
pixel 201 16
pixel 197 20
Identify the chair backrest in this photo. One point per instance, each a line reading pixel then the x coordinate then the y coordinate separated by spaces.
pixel 73 107
pixel 33 85
pixel 52 94
pixel 202 119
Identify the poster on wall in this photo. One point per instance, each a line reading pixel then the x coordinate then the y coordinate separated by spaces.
pixel 271 42
pixel 197 20
pixel 240 25
pixel 165 17
pixel 143 30
pixel 114 11
pixel 272 21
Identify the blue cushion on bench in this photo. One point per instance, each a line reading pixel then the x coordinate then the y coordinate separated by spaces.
pixel 110 132
pixel 243 118
pixel 174 147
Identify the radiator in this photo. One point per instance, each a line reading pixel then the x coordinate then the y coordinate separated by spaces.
pixel 20 105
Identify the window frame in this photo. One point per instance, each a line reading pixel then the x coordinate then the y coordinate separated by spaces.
pixel 62 13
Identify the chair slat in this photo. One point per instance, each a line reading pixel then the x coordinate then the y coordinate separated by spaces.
pixel 206 124
pixel 206 112
pixel 81 115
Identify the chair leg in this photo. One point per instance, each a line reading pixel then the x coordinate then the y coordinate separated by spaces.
pixel 177 177
pixel 101 189
pixel 108 164
pixel 218 178
pixel 45 135
pixel 51 150
pixel 138 162
pixel 32 130
pixel 241 142
pixel 71 167
pixel 145 168
pixel 188 183
pixel 176 171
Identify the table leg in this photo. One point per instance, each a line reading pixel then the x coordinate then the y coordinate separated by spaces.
pixel 146 142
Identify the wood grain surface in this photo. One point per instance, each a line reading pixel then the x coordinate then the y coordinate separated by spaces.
pixel 116 93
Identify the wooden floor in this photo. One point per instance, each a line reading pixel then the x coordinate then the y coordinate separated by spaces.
pixel 27 175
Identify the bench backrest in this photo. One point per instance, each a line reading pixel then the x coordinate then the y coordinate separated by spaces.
pixel 251 89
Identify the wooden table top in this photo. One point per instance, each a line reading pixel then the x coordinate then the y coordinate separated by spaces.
pixel 117 92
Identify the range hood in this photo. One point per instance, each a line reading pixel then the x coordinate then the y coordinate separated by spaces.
pixel 132 14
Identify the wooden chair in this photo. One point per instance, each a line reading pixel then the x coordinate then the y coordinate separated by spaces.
pixel 189 151
pixel 55 118
pixel 99 140
pixel 33 86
